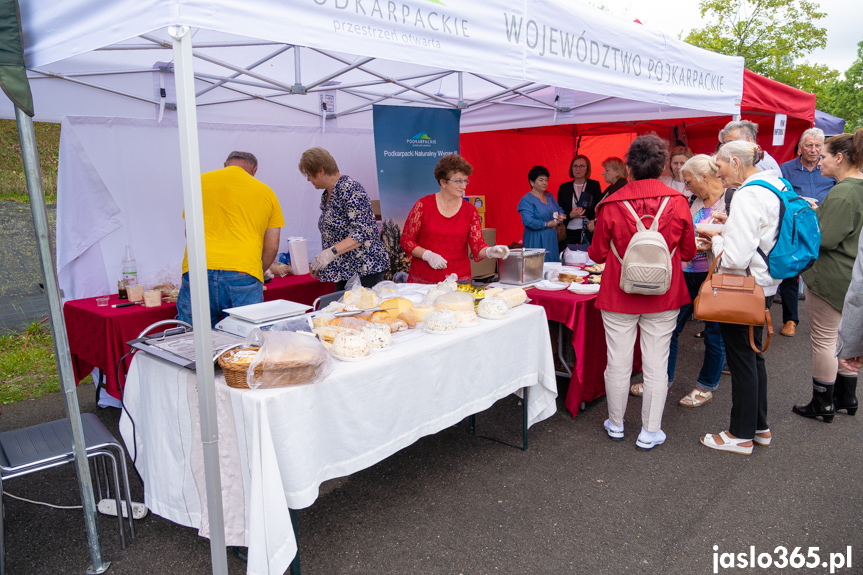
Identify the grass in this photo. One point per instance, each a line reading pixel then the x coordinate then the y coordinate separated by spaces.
pixel 28 368
pixel 13 185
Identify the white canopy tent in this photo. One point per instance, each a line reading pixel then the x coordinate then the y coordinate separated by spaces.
pixel 127 85
pixel 270 68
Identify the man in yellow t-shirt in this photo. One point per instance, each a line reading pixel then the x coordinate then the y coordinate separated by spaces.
pixel 242 224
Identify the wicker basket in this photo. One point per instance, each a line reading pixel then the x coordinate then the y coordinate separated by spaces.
pixel 235 375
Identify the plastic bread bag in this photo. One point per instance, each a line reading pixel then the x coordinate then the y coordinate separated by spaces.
pixel 287 358
pixel 349 322
pixel 302 323
pixel 448 285
pixel 361 297
pixel 278 269
pixel 254 338
pixel 454 301
pixel 167 280
pixel 386 289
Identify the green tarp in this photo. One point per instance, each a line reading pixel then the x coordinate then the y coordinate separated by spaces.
pixel 13 75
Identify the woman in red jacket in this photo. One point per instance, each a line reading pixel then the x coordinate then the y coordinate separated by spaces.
pixel 623 313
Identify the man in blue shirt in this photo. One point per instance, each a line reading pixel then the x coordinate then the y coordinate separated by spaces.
pixel 805 175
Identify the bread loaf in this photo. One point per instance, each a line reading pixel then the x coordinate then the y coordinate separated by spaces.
pixel 569 278
pixel 408 318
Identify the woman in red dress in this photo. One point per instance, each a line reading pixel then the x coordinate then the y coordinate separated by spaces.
pixel 447 224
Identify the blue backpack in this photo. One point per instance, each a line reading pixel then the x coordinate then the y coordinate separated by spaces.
pixel 798 236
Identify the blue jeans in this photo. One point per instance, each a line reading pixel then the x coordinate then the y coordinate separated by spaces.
pixel 714 348
pixel 227 289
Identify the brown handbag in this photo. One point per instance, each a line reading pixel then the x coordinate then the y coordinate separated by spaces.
pixel 561 233
pixel 727 298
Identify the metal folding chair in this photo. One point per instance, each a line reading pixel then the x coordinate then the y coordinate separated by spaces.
pixel 326 300
pixel 40 447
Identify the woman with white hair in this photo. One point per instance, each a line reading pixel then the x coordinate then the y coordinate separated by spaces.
pixel 751 225
pixel 709 199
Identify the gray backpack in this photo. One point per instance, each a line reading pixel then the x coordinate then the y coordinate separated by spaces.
pixel 646 266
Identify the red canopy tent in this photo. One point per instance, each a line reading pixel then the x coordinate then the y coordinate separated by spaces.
pixel 501 159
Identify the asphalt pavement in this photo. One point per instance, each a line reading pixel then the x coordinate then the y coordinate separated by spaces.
pixel 575 502
pixel 22 300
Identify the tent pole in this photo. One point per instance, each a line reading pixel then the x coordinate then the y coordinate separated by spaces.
pixel 33 173
pixel 187 118
pixel 298 74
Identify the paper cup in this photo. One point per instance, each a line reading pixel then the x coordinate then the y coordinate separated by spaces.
pixel 136 292
pixel 153 298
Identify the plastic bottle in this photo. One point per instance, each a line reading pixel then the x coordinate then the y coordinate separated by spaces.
pixel 130 271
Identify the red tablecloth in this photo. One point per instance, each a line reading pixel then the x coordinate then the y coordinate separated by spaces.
pixel 579 314
pixel 98 335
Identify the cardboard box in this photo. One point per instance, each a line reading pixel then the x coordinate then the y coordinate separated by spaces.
pixel 488 266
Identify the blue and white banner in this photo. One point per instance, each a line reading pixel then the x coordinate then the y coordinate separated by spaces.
pixel 409 142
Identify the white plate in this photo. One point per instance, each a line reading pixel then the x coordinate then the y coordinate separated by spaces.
pixel 551 286
pixel 349 359
pixel 584 289
pixel 380 349
pixel 574 271
pixel 268 310
pixel 506 315
pixel 470 325
pixel 434 332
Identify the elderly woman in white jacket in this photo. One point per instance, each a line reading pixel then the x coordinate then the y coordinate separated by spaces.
pixel 751 225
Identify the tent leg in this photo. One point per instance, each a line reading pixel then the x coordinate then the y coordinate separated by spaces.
pixel 190 166
pixel 30 155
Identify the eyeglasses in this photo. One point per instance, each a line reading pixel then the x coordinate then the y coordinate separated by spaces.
pixel 579 166
pixel 460 182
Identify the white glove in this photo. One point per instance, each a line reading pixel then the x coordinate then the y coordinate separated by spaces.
pixel 323 259
pixel 498 252
pixel 435 261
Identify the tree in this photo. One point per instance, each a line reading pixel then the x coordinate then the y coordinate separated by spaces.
pixel 769 34
pixel 844 98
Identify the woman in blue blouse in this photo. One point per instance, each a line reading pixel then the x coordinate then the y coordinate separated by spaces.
pixel 349 234
pixel 540 214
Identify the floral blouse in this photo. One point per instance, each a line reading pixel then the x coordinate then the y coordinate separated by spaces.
pixel 450 237
pixel 349 214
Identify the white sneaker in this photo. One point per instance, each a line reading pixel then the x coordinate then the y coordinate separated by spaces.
pixel 614 433
pixel 647 440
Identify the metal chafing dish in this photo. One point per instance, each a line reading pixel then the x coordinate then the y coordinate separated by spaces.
pixel 523 266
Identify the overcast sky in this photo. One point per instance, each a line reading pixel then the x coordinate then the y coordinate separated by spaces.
pixel 843 23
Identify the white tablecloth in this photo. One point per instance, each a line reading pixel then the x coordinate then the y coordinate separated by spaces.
pixel 276 447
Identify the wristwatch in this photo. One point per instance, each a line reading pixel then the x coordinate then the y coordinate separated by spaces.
pixel 334 250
